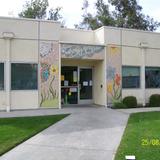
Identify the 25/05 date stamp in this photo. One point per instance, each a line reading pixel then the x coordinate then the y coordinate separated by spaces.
pixel 150 142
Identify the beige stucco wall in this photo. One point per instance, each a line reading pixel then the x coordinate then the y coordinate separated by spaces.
pixel 24 99
pixel 27 29
pixel 49 30
pixel 138 93
pixel 135 37
pixel 99 37
pixel 130 41
pixel 2 100
pixel 2 50
pixel 112 36
pixel 77 36
pixel 24 49
pixel 152 57
pixel 99 78
pixel 131 56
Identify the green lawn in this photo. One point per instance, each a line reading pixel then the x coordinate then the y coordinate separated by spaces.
pixel 13 131
pixel 141 137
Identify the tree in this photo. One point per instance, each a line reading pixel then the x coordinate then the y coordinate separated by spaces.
pixel 54 14
pixel 126 14
pixel 35 9
pixel 102 17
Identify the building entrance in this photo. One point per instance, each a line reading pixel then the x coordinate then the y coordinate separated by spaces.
pixel 76 85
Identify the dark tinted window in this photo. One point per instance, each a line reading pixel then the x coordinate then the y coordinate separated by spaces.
pixel 1 76
pixel 130 77
pixel 152 76
pixel 24 76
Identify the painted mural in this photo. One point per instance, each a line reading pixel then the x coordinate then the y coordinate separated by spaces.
pixel 82 51
pixel 114 63
pixel 49 73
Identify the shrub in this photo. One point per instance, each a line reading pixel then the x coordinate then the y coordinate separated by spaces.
pixel 130 101
pixel 118 105
pixel 154 100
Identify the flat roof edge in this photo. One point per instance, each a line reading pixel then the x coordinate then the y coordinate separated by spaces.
pixel 29 19
pixel 89 44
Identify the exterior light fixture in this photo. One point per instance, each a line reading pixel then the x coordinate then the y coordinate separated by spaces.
pixel 143 45
pixel 8 35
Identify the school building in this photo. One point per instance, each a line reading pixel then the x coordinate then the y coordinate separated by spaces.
pixel 45 66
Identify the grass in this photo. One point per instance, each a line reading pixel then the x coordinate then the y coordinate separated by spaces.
pixel 14 131
pixel 141 137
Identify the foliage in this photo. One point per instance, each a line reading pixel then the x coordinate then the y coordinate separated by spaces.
pixel 119 105
pixel 141 137
pixel 37 9
pixel 154 100
pixel 126 14
pixel 130 101
pixel 54 14
pixel 102 17
pixel 16 130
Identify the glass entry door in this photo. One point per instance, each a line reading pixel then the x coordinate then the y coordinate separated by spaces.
pixel 69 85
pixel 85 86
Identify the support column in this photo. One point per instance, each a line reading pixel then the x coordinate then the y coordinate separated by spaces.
pixel 8 77
pixel 144 47
pixel 7 37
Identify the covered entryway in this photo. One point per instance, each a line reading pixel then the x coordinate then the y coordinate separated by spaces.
pixel 82 82
pixel 76 85
pixel 83 74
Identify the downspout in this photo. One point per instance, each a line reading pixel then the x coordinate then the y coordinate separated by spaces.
pixel 8 36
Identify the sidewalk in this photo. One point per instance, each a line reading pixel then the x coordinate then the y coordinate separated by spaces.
pixel 87 134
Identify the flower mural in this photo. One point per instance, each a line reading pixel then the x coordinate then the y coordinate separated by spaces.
pixel 53 70
pixel 49 58
pixel 110 72
pixel 113 74
pixel 117 79
pixel 114 50
pixel 48 72
pixel 44 72
pixel 114 84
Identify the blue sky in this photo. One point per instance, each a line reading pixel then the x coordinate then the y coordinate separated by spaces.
pixel 71 9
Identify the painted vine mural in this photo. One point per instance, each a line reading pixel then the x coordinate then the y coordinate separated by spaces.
pixel 49 72
pixel 82 51
pixel 114 83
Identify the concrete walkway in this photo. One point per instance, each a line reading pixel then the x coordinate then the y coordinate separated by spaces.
pixel 87 134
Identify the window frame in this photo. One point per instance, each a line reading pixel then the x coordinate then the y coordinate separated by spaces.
pixel 139 77
pixel 24 62
pixel 145 76
pixel 4 83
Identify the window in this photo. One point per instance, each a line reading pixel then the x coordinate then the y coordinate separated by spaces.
pixel 1 76
pixel 152 76
pixel 130 77
pixel 24 76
